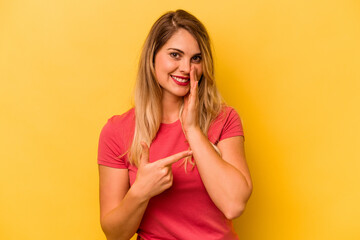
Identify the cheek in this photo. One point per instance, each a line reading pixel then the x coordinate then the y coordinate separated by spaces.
pixel 199 71
pixel 163 65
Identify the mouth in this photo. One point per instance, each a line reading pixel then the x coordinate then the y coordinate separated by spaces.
pixel 183 81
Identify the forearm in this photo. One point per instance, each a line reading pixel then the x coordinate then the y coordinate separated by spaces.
pixel 225 184
pixel 123 221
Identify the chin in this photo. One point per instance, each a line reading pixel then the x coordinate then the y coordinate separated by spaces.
pixel 183 94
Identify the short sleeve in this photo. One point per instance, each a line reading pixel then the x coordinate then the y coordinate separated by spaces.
pixel 109 148
pixel 232 126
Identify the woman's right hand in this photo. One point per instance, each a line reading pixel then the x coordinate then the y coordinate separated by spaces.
pixel 155 177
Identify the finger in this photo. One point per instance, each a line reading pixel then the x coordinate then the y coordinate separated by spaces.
pixel 194 83
pixel 144 159
pixel 193 77
pixel 165 170
pixel 186 101
pixel 194 92
pixel 174 158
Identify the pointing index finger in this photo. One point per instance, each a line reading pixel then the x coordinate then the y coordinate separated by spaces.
pixel 174 158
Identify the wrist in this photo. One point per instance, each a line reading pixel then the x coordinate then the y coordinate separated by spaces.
pixel 136 193
pixel 189 131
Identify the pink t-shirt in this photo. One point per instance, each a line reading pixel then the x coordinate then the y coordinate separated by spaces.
pixel 184 211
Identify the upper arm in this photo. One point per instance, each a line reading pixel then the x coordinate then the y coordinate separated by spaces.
pixel 114 184
pixel 233 152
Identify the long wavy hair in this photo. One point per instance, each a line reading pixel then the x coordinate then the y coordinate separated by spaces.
pixel 148 92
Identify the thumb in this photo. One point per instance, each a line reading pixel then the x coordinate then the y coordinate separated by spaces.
pixel 144 158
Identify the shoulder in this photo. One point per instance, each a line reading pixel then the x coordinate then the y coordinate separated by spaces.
pixel 227 113
pixel 120 126
pixel 228 123
pixel 114 140
pixel 124 119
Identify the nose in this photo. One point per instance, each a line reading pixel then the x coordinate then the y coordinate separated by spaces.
pixel 185 66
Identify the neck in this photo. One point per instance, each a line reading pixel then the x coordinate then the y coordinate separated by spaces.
pixel 170 108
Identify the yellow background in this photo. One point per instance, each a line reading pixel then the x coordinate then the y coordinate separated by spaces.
pixel 290 68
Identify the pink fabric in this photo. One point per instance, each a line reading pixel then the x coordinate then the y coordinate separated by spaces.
pixel 184 211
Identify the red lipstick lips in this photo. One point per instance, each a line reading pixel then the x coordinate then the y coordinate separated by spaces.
pixel 179 80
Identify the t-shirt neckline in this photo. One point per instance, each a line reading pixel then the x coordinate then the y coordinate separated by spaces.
pixel 167 125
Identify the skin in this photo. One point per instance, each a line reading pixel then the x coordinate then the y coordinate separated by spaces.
pixel 121 207
pixel 226 179
pixel 169 61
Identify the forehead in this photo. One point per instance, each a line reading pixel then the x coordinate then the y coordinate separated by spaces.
pixel 183 40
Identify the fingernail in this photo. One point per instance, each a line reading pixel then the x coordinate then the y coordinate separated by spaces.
pixel 190 152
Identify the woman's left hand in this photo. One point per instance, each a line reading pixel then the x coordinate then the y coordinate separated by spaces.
pixel 190 114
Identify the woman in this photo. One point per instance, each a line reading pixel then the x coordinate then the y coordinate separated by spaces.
pixel 174 166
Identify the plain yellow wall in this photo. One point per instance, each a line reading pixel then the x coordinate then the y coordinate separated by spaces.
pixel 290 68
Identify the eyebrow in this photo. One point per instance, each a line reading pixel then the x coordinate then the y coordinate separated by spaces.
pixel 182 51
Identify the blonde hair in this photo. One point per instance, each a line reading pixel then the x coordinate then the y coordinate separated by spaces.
pixel 148 93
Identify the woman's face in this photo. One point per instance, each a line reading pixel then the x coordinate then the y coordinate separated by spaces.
pixel 173 62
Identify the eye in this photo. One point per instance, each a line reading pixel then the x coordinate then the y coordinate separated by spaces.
pixel 197 58
pixel 174 54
